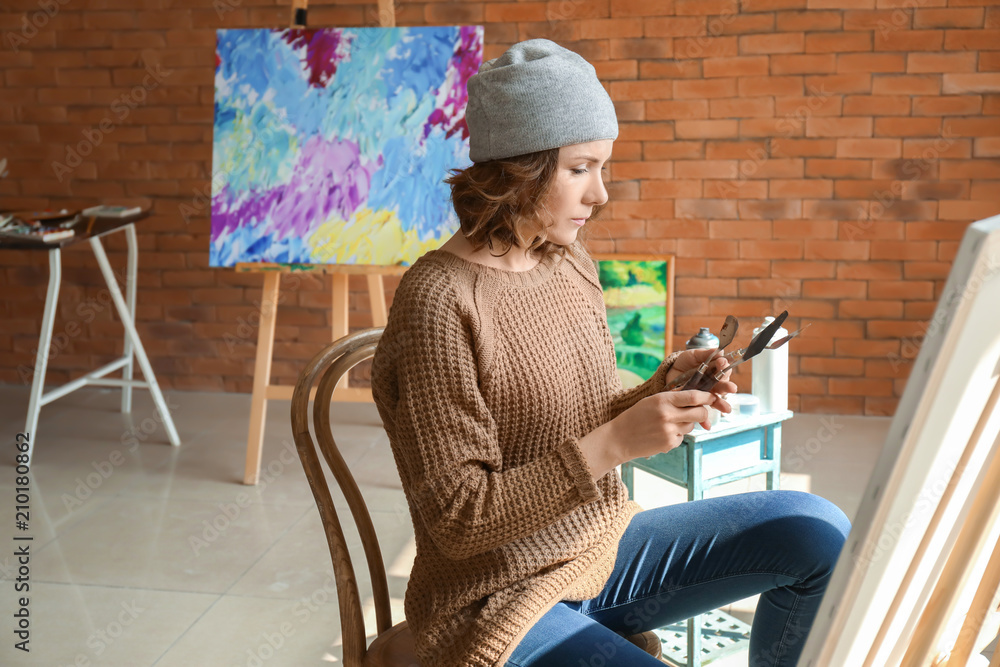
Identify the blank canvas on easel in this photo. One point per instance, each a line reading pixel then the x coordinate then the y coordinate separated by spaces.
pixel 331 145
pixel 929 474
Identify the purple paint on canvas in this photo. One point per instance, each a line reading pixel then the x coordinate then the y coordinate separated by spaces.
pixel 332 172
pixel 457 97
pixel 321 53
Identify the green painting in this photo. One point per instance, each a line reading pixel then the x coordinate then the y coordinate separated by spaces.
pixel 636 298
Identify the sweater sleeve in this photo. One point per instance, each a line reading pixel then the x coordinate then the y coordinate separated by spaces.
pixel 444 440
pixel 623 399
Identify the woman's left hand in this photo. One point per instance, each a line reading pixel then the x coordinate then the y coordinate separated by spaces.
pixel 689 359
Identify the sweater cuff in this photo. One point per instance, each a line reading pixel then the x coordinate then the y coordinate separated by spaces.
pixel 579 472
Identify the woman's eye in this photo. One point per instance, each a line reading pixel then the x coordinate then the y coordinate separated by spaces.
pixel 579 171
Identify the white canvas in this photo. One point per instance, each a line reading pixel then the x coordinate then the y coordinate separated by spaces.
pixel 895 551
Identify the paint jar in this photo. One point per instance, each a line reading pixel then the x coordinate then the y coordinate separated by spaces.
pixel 769 382
pixel 702 340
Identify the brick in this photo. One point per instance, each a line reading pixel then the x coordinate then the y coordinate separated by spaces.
pixel 672 189
pixel 935 149
pixel 742 107
pixel 705 88
pixel 837 250
pixel 786 147
pixel 863 387
pixel 723 150
pixel 746 24
pixel 739 229
pixel 801 188
pixel 920 63
pixel 772 209
pixel 676 109
pixel 686 26
pixel 669 150
pixel 772 169
pixel 704 129
pixel 859 82
pixel 874 271
pixel 641 90
pixel 831 366
pixel 502 12
pixel 706 47
pixel 839 127
pixel 809 21
pixel 971 40
pixel 605 28
pixel 986 147
pixel 969 17
pixel 735 189
pixel 801 63
pixel 750 288
pixel 641 8
pixel 770 249
pixel 838 168
pixel 832 405
pixel 739 268
pixel 751 86
pixel 737 66
pixel 785 42
pixel 911 84
pixel 906 127
pixel 876 105
pixel 818 42
pixel 956 169
pixel 863 309
pixel 705 208
pixel 935 189
pixel 869 148
pixel 951 105
pixel 670 69
pixel 909 40
pixel 979 82
pixel 967 210
pixel 625 49
pixel 882 20
pixel 609 70
pixel 803 269
pixel 871 62
pixel 901 289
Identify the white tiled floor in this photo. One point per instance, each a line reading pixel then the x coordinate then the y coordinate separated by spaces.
pixel 154 555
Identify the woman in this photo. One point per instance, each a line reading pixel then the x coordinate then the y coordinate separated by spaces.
pixel 496 381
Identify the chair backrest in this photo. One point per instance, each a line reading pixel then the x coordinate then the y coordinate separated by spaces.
pixel 328 367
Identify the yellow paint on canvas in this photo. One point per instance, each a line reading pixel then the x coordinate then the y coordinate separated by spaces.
pixel 369 237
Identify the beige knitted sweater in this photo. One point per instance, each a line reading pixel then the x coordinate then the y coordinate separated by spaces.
pixel 485 380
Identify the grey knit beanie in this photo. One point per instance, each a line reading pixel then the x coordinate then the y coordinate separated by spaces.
pixel 537 95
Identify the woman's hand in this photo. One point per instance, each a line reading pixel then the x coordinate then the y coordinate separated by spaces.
pixel 689 359
pixel 655 424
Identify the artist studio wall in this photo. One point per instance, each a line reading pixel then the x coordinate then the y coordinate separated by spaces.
pixel 824 156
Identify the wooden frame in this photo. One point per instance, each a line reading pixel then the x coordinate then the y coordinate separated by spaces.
pixel 915 563
pixel 668 329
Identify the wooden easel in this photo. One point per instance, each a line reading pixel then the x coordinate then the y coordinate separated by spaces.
pixel 263 390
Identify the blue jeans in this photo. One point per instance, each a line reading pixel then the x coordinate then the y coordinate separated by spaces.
pixel 681 560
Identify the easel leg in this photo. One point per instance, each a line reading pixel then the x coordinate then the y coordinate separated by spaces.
pixel 261 376
pixel 339 315
pixel 376 293
pixel 44 341
pixel 130 272
pixel 131 332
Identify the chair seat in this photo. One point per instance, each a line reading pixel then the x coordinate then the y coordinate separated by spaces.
pixel 392 648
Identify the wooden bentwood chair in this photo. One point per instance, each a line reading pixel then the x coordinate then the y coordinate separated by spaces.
pixel 393 645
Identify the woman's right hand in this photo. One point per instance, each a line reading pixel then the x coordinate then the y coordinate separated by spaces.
pixel 658 423
pixel 655 424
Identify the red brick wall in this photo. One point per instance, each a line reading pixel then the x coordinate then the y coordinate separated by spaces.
pixel 823 156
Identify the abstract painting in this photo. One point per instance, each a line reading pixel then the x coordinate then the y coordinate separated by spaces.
pixel 638 297
pixel 331 145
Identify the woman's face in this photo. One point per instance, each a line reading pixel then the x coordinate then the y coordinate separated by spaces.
pixel 578 188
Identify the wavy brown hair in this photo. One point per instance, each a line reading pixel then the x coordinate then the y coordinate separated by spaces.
pixel 503 202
